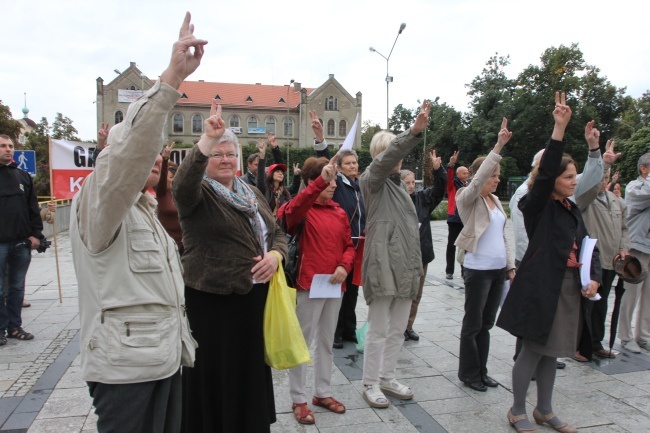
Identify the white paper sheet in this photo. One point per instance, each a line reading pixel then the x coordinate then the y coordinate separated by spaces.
pixel 321 287
pixel 586 251
pixel 349 139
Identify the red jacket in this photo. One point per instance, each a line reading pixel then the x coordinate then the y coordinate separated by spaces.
pixel 325 242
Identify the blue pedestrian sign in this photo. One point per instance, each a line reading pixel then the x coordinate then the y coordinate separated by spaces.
pixel 26 160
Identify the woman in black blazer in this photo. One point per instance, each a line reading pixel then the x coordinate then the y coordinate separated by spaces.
pixel 544 303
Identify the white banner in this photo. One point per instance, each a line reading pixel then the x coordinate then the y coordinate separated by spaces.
pixel 124 95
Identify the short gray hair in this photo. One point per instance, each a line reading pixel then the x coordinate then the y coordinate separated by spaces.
pixel 404 173
pixel 380 142
pixel 644 160
pixel 347 152
pixel 230 137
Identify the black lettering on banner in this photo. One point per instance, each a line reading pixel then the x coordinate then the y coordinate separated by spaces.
pixel 79 156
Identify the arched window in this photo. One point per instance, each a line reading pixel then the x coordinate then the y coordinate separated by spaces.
pixel 178 123
pixel 343 128
pixel 288 127
pixel 336 103
pixel 234 121
pixel 197 124
pixel 252 122
pixel 331 103
pixel 119 117
pixel 331 127
pixel 270 125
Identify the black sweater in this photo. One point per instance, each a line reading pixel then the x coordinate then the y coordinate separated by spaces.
pixel 20 216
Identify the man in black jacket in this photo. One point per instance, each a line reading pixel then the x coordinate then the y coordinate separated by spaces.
pixel 20 232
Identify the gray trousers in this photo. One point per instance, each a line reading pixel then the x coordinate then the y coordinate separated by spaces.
pixel 146 407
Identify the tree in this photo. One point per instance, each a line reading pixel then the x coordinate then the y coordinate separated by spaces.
pixel 38 140
pixel 8 125
pixel 368 130
pixel 62 129
pixel 631 150
pixel 401 120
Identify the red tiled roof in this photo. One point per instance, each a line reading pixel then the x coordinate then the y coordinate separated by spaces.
pixel 235 95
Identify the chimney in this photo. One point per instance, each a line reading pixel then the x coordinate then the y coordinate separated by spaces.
pixel 331 75
pixel 296 86
pixel 133 64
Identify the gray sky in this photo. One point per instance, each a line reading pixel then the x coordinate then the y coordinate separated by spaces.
pixel 54 50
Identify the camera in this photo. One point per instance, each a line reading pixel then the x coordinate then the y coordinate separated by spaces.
pixel 44 245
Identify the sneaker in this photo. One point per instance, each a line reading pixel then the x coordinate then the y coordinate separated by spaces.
pixel 450 276
pixel 396 389
pixel 631 346
pixel 374 397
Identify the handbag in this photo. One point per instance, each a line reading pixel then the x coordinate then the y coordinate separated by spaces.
pixel 293 254
pixel 284 342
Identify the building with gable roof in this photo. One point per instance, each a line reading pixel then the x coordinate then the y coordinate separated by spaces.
pixel 250 110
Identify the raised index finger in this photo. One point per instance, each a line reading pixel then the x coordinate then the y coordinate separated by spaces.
pixel 557 98
pixel 334 159
pixel 504 123
pixel 219 109
pixel 185 27
pixel 213 108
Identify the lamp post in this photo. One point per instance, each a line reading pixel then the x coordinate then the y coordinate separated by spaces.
pixel 289 172
pixel 389 79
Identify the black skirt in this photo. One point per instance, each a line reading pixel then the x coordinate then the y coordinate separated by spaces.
pixel 230 388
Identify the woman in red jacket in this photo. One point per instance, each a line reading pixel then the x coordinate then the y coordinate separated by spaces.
pixel 325 248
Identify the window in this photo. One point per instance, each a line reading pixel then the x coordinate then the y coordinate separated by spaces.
pixel 330 127
pixel 288 127
pixel 178 123
pixel 343 128
pixel 249 99
pixel 252 122
pixel 270 125
pixel 119 117
pixel 234 121
pixel 281 101
pixel 218 97
pixel 197 124
pixel 331 103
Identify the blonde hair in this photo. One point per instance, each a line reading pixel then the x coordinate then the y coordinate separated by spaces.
pixel 380 142
pixel 404 173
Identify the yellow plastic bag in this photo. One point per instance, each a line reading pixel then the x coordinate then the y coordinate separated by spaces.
pixel 284 344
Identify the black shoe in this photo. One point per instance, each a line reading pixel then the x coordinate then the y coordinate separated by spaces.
pixel 412 335
pixel 338 343
pixel 488 381
pixel 406 336
pixel 477 385
pixel 450 276
pixel 560 365
pixel 352 339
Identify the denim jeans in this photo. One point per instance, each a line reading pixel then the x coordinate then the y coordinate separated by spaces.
pixel 14 262
pixel 482 295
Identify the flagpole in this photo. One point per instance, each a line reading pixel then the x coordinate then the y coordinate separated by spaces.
pixel 56 248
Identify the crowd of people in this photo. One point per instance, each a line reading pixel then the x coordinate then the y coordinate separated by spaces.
pixel 172 289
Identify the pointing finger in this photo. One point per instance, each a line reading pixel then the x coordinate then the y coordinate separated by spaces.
pixel 219 110
pixel 504 123
pixel 213 108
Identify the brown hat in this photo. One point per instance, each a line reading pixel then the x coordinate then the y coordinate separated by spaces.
pixel 630 269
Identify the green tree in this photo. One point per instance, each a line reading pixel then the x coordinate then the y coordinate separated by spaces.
pixel 8 125
pixel 368 130
pixel 401 119
pixel 631 150
pixel 62 129
pixel 38 140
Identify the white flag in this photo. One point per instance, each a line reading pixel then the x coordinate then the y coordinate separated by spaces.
pixel 349 140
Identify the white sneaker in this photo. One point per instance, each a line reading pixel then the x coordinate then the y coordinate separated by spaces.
pixel 374 397
pixel 631 346
pixel 396 389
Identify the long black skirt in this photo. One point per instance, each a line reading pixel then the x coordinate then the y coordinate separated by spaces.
pixel 230 388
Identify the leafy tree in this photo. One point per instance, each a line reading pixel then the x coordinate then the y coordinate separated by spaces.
pixel 401 120
pixel 38 140
pixel 368 130
pixel 8 125
pixel 631 150
pixel 62 129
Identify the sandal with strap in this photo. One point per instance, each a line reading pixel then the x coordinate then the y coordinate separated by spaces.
pixel 333 405
pixel 374 397
pixel 19 334
pixel 3 339
pixel 563 427
pixel 512 419
pixel 305 415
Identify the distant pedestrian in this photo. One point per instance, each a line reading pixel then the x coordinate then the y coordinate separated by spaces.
pixel 456 179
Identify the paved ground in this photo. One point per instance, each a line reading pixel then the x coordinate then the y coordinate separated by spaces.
pixel 41 389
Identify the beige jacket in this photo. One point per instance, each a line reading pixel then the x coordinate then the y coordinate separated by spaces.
pixel 605 222
pixel 475 212
pixel 392 260
pixel 131 291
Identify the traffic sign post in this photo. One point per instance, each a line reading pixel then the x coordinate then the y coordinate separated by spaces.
pixel 26 160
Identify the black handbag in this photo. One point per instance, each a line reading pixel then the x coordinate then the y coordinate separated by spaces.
pixel 293 255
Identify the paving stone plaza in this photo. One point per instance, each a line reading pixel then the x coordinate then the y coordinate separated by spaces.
pixel 41 388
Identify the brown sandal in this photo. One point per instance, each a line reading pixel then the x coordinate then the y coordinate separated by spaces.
pixel 332 405
pixel 305 415
pixel 19 333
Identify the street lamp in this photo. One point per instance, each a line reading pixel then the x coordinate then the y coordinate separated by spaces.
pixel 284 131
pixel 389 79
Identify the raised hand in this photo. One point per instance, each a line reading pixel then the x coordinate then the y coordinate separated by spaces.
pixel 453 159
pixel 615 177
pixel 272 141
pixel 422 119
pixel 214 125
pixel 339 275
pixel 167 150
pixel 592 135
pixel 316 126
pixel 296 169
pixel 609 156
pixel 329 171
pixel 562 115
pixel 504 136
pixel 435 161
pixel 261 146
pixel 102 136
pixel 186 55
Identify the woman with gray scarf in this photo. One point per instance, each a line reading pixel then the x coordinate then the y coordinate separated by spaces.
pixel 228 233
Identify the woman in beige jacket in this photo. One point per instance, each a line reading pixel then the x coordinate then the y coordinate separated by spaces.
pixel 486 263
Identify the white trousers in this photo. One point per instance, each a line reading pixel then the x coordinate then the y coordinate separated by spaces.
pixel 637 296
pixel 387 318
pixel 317 319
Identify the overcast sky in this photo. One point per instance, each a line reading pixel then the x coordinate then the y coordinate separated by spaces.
pixel 55 50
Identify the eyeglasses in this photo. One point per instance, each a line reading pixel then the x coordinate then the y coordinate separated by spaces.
pixel 222 156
